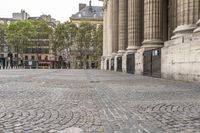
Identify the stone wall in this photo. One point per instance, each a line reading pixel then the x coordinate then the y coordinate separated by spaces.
pixel 139 61
pixel 181 58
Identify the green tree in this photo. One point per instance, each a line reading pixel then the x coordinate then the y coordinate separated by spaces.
pixel 98 40
pixel 59 41
pixel 97 43
pixel 71 32
pixel 19 35
pixel 2 33
pixel 85 41
pixel 59 38
pixel 64 37
pixel 43 32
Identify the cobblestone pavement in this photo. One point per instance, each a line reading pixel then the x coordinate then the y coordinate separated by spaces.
pixel 57 101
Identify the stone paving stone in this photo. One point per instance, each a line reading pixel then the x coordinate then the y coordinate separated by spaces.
pixel 94 101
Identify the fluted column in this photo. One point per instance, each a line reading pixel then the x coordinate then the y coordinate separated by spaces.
pixel 109 26
pixel 123 25
pixel 174 14
pixel 134 25
pixel 153 23
pixel 188 15
pixel 115 24
pixel 105 49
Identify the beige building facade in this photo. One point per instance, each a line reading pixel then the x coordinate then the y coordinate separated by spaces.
pixel 158 38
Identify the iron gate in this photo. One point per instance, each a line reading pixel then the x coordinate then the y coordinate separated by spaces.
pixel 152 63
pixel 131 63
pixel 112 64
pixel 119 64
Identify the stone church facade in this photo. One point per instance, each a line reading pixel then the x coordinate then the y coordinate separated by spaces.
pixel 158 38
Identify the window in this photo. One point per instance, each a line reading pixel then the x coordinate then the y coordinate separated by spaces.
pixel 1 55
pixel 26 57
pixel 1 49
pixel 46 57
pixel 32 57
pixel 39 57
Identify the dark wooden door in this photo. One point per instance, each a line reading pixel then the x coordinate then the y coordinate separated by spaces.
pixel 131 63
pixel 152 63
pixel 112 64
pixel 107 63
pixel 119 64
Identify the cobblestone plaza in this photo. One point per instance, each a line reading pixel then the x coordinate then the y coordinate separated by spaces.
pixel 60 101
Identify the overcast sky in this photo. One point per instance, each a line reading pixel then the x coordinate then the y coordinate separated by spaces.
pixel 58 9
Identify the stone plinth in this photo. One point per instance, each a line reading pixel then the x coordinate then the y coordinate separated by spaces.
pixel 181 59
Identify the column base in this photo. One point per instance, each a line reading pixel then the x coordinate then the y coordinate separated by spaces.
pixel 121 52
pixel 197 29
pixel 105 61
pixel 102 63
pixel 132 49
pixel 183 30
pixel 156 43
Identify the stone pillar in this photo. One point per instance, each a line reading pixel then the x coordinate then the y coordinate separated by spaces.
pixel 109 27
pixel 174 15
pixel 115 24
pixel 105 45
pixel 134 25
pixel 123 31
pixel 115 31
pixel 153 24
pixel 123 25
pixel 109 31
pixel 188 15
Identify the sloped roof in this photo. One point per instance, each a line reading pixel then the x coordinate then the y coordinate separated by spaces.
pixel 8 19
pixel 89 12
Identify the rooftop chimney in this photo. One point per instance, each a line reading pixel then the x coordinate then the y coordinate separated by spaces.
pixel 81 6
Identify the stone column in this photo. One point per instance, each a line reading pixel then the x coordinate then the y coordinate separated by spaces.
pixel 105 45
pixel 109 31
pixel 153 24
pixel 109 26
pixel 174 14
pixel 115 31
pixel 123 32
pixel 115 24
pixel 104 33
pixel 172 18
pixel 134 25
pixel 188 15
pixel 123 25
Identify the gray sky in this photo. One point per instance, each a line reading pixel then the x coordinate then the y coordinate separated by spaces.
pixel 58 9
